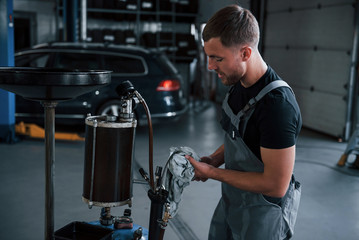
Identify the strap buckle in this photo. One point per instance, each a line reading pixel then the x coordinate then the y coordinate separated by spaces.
pixel 250 104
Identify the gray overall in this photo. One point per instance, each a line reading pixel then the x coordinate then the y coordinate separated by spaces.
pixel 246 215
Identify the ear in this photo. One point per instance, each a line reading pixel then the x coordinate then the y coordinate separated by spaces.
pixel 246 53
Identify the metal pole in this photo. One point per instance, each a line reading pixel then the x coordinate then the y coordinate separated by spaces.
pixel 93 162
pixel 7 99
pixel 57 28
pixel 72 21
pixel 83 20
pixel 353 74
pixel 64 36
pixel 263 4
pixel 49 107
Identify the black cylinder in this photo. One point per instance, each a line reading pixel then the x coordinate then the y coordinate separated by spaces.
pixel 158 199
pixel 108 161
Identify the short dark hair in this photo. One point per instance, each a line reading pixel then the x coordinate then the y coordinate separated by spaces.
pixel 234 26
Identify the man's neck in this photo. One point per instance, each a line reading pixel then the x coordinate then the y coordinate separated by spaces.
pixel 256 68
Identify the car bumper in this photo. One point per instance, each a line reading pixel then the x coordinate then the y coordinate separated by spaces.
pixel 68 118
pixel 168 114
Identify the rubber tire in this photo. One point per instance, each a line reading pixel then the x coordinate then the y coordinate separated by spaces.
pixel 111 107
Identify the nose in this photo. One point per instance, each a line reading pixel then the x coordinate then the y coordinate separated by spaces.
pixel 211 64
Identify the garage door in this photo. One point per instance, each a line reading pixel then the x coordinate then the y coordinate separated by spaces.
pixel 309 43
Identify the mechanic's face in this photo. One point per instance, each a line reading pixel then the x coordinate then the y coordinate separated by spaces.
pixel 225 61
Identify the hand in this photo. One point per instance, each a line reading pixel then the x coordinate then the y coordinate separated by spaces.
pixel 207 159
pixel 201 169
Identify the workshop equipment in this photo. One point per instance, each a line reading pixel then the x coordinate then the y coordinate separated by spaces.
pixel 50 86
pixel 34 131
pixel 108 178
pixel 83 230
pixel 108 161
pixel 109 149
pixel 352 148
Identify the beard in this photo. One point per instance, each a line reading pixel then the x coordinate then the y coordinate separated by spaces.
pixel 231 79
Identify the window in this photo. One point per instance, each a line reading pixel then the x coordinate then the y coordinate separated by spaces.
pixel 32 60
pixel 124 64
pixel 77 60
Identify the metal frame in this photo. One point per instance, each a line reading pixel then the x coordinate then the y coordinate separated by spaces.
pixel 353 83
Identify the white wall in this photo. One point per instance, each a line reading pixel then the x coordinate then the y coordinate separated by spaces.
pixel 309 43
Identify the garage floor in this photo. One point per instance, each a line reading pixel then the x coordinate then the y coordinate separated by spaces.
pixel 330 195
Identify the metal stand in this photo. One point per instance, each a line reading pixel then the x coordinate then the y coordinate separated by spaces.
pixel 49 107
pixel 49 86
pixel 158 200
pixel 352 147
pixel 353 143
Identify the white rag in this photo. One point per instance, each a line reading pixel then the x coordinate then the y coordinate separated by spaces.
pixel 179 174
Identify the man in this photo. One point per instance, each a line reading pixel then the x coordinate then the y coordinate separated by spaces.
pixel 260 197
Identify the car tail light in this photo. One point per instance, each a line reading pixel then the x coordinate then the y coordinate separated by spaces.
pixel 168 85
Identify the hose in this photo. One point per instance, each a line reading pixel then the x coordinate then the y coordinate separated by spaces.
pixel 150 142
pixel 158 199
pixel 162 233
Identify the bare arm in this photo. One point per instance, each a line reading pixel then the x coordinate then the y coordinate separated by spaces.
pixel 273 181
pixel 216 159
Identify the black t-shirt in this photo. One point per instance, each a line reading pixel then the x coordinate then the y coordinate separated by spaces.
pixel 276 120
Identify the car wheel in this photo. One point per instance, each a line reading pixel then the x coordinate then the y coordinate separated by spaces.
pixel 112 107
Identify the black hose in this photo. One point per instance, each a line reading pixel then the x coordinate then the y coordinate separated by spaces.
pixel 150 142
pixel 158 197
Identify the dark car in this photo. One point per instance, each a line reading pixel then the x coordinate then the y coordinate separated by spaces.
pixel 151 73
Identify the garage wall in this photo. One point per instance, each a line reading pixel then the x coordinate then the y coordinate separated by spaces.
pixel 44 16
pixel 208 7
pixel 309 44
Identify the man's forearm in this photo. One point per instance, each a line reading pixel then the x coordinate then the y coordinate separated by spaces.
pixel 247 181
pixel 273 181
pixel 217 157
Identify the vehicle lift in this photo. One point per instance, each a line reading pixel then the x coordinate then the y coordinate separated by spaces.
pixel 34 131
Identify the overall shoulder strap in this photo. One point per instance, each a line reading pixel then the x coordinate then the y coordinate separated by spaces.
pixel 249 108
pixel 271 86
pixel 235 119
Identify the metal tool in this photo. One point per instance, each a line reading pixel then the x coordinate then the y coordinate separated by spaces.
pixel 50 86
pixel 125 221
pixel 158 176
pixel 137 235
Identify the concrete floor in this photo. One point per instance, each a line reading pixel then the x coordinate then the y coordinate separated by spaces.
pixel 329 207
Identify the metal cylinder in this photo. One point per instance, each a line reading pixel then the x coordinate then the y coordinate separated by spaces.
pixel 49 107
pixel 108 161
